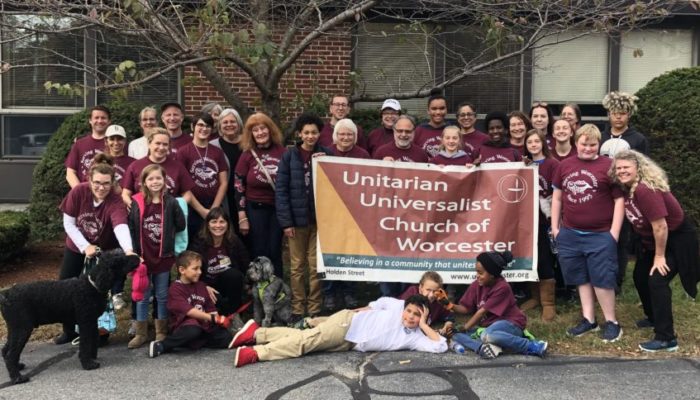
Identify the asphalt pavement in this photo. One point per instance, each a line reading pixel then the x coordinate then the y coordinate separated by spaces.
pixel 55 373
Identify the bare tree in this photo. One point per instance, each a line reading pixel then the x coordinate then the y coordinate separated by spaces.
pixel 264 38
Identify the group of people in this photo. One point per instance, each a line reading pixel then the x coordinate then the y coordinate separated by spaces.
pixel 231 190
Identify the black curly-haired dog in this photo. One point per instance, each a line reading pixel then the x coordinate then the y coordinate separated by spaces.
pixel 79 300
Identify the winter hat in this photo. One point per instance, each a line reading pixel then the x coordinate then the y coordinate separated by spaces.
pixel 620 102
pixel 494 262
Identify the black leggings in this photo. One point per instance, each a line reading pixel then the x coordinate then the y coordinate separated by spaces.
pixel 545 258
pixel 194 336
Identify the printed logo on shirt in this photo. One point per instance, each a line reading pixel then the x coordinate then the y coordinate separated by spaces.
pixel 86 161
pixel 218 264
pixel 544 186
pixel 634 216
pixel 271 165
pixel 204 171
pixel 152 227
pixel 580 186
pixel 118 173
pixel 196 301
pixel 90 226
pixel 496 158
pixel 432 146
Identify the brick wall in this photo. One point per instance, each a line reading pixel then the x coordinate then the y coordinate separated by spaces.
pixel 325 62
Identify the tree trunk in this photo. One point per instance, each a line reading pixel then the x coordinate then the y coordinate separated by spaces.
pixel 222 87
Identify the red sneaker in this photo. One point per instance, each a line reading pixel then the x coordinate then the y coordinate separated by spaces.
pixel 245 356
pixel 245 336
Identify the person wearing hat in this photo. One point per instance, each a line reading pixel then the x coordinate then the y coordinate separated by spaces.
pixel 115 143
pixel 172 115
pixel 620 135
pixel 84 149
pixel 340 108
pixel 390 111
pixel 492 306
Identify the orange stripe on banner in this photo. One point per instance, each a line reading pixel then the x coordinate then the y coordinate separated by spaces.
pixel 332 215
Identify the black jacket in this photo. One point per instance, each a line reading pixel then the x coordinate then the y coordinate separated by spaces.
pixel 236 251
pixel 636 140
pixel 294 200
pixel 173 221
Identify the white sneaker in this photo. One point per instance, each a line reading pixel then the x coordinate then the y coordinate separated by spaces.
pixel 118 301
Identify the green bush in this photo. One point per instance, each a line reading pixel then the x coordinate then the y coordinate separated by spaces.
pixel 669 115
pixel 49 184
pixel 14 233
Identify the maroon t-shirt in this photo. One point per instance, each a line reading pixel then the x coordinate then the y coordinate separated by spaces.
pixel 572 153
pixel 96 223
pixel 498 300
pixel 472 141
pixel 121 164
pixel 649 205
pixel 178 180
pixel 546 169
pixel 178 142
pixel 378 138
pixel 251 181
pixel 436 311
pixel 151 236
pixel 217 260
pixel 182 297
pixel 461 159
pixel 411 154
pixel 326 138
pixel 428 138
pixel 520 149
pixel 354 152
pixel 306 159
pixel 81 154
pixel 587 193
pixel 204 166
pixel 491 154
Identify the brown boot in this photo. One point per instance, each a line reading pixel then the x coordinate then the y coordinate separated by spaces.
pixel 141 337
pixel 534 300
pixel 547 292
pixel 161 329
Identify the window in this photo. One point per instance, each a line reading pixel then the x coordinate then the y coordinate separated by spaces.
pixel 28 135
pixel 569 69
pixel 661 51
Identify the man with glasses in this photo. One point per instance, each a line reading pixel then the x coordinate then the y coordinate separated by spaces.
pixel 84 149
pixel 138 148
pixel 391 109
pixel 339 109
pixel 402 148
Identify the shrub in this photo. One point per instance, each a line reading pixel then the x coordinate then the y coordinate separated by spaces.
pixel 49 184
pixel 669 115
pixel 14 233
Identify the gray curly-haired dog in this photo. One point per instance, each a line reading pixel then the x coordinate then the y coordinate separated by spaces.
pixel 272 298
pixel 72 301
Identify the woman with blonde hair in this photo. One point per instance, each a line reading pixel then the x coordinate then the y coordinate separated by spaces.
pixel 667 243
pixel 255 176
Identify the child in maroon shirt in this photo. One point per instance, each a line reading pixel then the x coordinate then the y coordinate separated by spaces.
pixel 193 319
pixel 430 286
pixel 492 305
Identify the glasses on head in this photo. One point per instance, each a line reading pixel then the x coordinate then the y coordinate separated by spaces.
pixel 101 184
pixel 340 105
pixel 202 125
pixel 539 104
pixel 466 115
pixel 405 131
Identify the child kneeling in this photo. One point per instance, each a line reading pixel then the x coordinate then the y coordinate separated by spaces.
pixel 194 321
pixel 387 324
pixel 491 301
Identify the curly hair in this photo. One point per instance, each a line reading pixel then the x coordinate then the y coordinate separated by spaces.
pixel 620 102
pixel 648 172
pixel 247 140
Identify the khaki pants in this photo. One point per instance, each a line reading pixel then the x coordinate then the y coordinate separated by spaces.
pixel 281 343
pixel 302 252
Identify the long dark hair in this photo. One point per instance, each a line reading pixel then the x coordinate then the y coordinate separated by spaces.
pixel 204 234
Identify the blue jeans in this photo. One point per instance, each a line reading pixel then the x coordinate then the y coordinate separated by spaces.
pixel 502 333
pixel 159 283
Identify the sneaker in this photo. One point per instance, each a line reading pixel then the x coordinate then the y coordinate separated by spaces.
pixel 653 346
pixel 155 349
pixel 64 338
pixel 350 301
pixel 245 356
pixel 611 332
pixel 118 301
pixel 536 348
pixel 644 323
pixel 489 351
pixel 582 328
pixel 329 303
pixel 245 336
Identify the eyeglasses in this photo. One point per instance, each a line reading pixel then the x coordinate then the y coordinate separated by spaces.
pixel 202 125
pixel 340 105
pixel 101 184
pixel 403 130
pixel 466 115
pixel 539 104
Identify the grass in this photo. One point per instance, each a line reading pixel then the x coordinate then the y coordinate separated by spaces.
pixel 686 314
